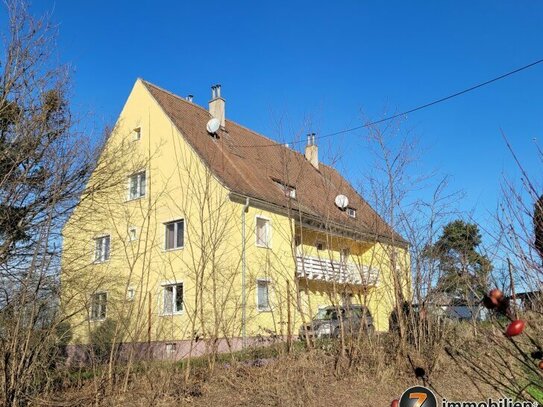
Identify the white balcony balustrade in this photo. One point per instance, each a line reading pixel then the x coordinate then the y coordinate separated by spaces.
pixel 315 268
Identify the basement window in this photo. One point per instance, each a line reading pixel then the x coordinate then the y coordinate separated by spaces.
pixel 171 350
pixel 351 212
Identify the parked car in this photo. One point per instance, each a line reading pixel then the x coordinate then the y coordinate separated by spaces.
pixel 355 319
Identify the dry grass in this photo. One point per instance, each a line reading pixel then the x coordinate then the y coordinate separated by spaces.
pixel 373 376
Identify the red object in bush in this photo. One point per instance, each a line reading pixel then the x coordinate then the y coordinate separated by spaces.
pixel 489 303
pixel 541 364
pixel 496 294
pixel 395 403
pixel 515 328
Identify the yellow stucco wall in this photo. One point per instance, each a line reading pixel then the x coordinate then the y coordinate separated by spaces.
pixel 179 186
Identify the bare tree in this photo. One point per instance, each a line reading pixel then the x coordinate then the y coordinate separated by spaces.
pixel 44 164
pixel 512 364
pixel 393 187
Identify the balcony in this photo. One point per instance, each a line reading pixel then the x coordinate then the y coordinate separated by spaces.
pixel 315 268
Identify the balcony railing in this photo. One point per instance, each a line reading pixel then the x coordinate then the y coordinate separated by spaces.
pixel 315 268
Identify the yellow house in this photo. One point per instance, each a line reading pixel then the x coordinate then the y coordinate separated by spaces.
pixel 197 234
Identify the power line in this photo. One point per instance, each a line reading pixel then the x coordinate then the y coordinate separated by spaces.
pixel 394 116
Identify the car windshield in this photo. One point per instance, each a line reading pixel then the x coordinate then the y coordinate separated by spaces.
pixel 326 314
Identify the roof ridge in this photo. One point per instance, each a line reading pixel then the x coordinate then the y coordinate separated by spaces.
pixel 277 144
pixel 181 98
pixel 231 121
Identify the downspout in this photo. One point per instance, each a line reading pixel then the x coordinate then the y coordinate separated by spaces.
pixel 243 273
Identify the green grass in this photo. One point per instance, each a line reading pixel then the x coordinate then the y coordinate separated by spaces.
pixel 536 393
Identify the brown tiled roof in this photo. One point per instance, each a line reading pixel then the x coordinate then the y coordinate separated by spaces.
pixel 246 169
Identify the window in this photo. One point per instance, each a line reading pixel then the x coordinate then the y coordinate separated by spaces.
pixel 171 349
pixel 98 306
pixel 173 299
pixel 101 248
pixel 130 293
pixel 136 134
pixel 320 245
pixel 288 190
pixel 263 232
pixel 137 185
pixel 132 234
pixel 175 234
pixel 263 294
pixel 351 212
pixel 344 255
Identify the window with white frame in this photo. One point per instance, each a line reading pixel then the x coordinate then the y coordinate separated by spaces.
pixel 136 185
pixel 98 309
pixel 263 294
pixel 102 248
pixel 263 232
pixel 175 234
pixel 172 298
pixel 136 134
pixel 351 212
pixel 320 245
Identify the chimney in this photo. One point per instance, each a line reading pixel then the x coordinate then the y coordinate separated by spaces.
pixel 312 151
pixel 217 104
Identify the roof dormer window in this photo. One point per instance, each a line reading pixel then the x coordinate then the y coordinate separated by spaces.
pixel 288 190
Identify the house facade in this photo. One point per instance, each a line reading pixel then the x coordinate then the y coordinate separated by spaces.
pixel 196 233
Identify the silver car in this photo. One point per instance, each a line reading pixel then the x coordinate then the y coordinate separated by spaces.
pixel 355 319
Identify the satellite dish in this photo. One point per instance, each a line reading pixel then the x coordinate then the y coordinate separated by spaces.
pixel 213 126
pixel 342 201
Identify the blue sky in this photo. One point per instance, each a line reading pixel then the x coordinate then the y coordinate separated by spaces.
pixel 326 62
